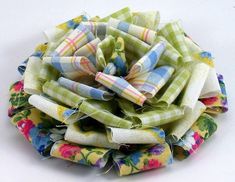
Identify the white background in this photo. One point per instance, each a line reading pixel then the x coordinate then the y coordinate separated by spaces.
pixel 210 23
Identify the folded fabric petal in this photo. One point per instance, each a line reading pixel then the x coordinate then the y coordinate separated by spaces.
pixel 35 126
pixel 85 90
pixel 150 83
pixel 147 62
pixel 38 52
pixel 122 14
pixel 76 39
pixel 211 87
pixel 72 67
pixel 56 111
pixel 193 47
pixel 118 58
pixel 148 19
pixel 134 47
pixel 217 104
pixel 110 69
pixel 121 87
pixel 18 100
pixel 136 136
pixel 97 28
pixel 194 87
pixel 142 33
pixel 53 34
pixel 170 56
pixel 104 52
pixel 174 33
pixel 93 137
pixel 180 127
pixel 90 156
pixel 48 72
pixel 89 50
pixel 96 111
pixel 32 83
pixel 201 130
pixel 176 86
pixel 159 117
pixel 145 159
pixel 61 94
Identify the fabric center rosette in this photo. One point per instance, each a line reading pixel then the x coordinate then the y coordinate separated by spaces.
pixel 118 89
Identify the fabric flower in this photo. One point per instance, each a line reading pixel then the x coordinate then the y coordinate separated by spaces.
pixel 152 164
pixel 68 151
pixel 18 86
pixel 156 150
pixel 25 125
pixel 135 158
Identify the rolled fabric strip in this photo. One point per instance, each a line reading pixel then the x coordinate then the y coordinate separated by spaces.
pixel 85 90
pixel 76 39
pixel 96 111
pixel 170 56
pixel 110 69
pixel 72 67
pixel 150 83
pixel 104 52
pixel 142 33
pixel 89 50
pixel 195 85
pixel 175 35
pixel 147 62
pixel 38 52
pixel 148 19
pixel 121 87
pixel 141 160
pixel 56 111
pixel 136 136
pixel 159 117
pixel 32 83
pixel 90 156
pixel 18 100
pixel 180 127
pixel 53 34
pixel 76 134
pixel 61 94
pixel 97 28
pixel 48 72
pixel 211 87
pixel 36 127
pixel 217 104
pixel 134 47
pixel 201 130
pixel 193 47
pixel 176 86
pixel 122 14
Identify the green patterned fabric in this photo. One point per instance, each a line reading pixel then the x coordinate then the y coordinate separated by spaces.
pixel 175 35
pixel 48 73
pixel 134 47
pixel 122 14
pixel 61 94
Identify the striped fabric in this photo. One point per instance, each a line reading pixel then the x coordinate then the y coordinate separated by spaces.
pixel 170 56
pixel 110 69
pixel 78 37
pixel 97 28
pixel 89 50
pixel 58 93
pixel 85 90
pixel 98 112
pixel 176 86
pixel 48 72
pixel 122 14
pixel 147 62
pixel 151 82
pixel 175 35
pixel 72 67
pixel 142 33
pixel 121 87
pixel 134 47
pixel 160 117
pixel 104 52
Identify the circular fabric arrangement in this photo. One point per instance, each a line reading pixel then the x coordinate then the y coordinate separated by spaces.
pixel 118 89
